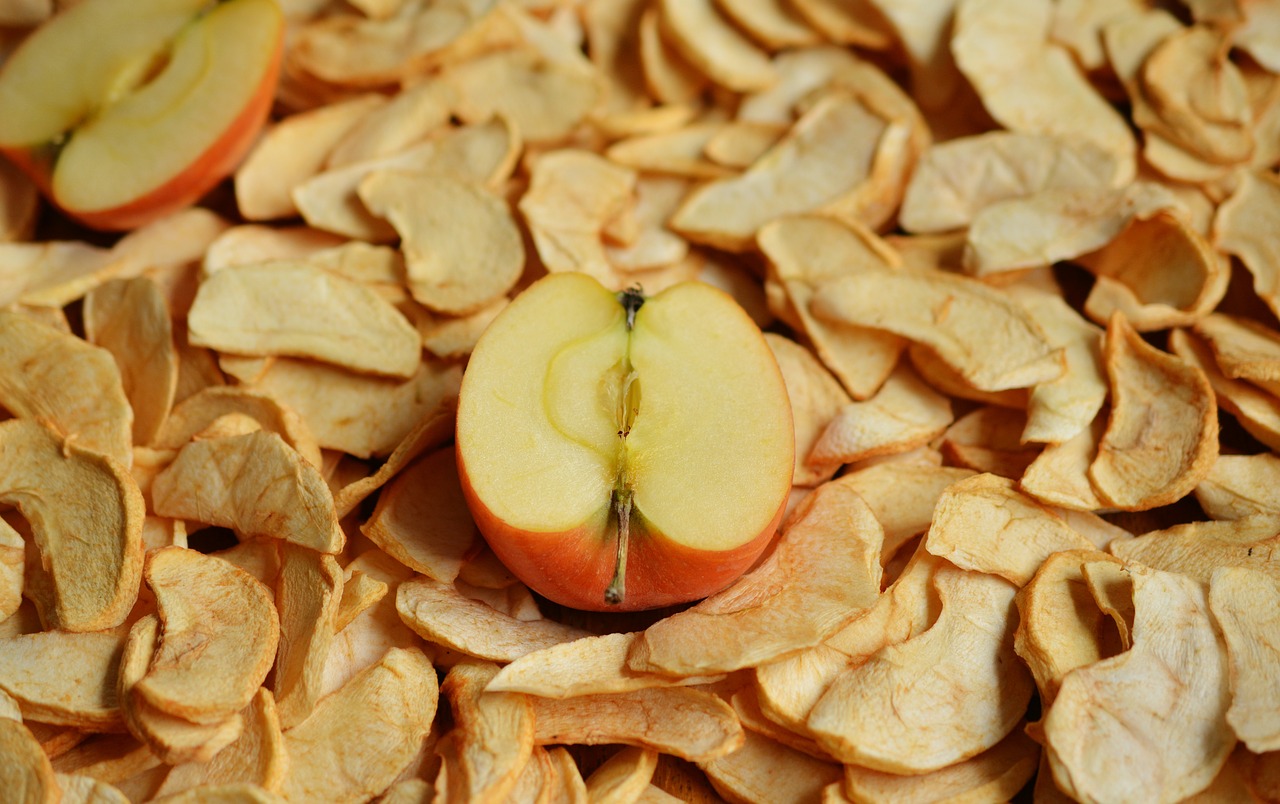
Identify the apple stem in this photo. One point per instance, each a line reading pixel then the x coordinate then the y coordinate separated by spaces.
pixel 617 588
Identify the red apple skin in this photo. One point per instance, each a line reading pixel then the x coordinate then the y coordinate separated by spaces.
pixel 215 164
pixel 574 567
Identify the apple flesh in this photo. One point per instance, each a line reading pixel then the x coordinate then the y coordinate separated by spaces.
pixel 622 453
pixel 123 111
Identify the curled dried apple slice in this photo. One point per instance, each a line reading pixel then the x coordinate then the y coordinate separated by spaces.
pixel 34 670
pixel 494 733
pixel 123 127
pixel 1244 603
pixel 600 442
pixel 765 770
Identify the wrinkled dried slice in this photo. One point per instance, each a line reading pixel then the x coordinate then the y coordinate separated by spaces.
pixel 984 524
pixel 440 613
pixel 851 23
pixel 772 23
pixel 408 117
pixel 308 594
pixel 64 678
pixel 256 757
pixel 823 161
pixel 360 592
pixel 295 309
pixel 902 496
pixel 292 151
pixel 686 722
pixel 1060 474
pixel 329 202
pixel 1030 84
pixel 903 414
pixel 573 194
pixel 493 734
pixel 833 543
pixel 804 251
pixel 765 770
pixel 71 386
pixel 1244 604
pixel 195 413
pixel 1240 486
pixel 586 666
pixel 432 429
pixel 816 397
pixel 654 245
pixel 1257 411
pixel 668 76
pixel 951 382
pixel 374 631
pixel 461 245
pixel 676 153
pixel 355 413
pixel 738 145
pixel 1059 410
pixel 956 179
pixel 622 777
pixel 25 772
pixel 976 329
pixel 455 336
pixel 996 774
pixel 129 318
pixel 1196 549
pixel 84 510
pixel 218 636
pixel 422 519
pixel 546 99
pixel 1148 723
pixel 714 46
pixel 1244 349
pixel 989 439
pixel 1240 228
pixel 234 793
pixel 87 790
pixel 1162 434
pixel 173 739
pixel 1172 274
pixel 342 753
pixel 961 677
pixel 12 568
pixel 255 484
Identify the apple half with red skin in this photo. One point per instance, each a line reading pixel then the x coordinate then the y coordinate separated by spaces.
pixel 621 453
pixel 123 111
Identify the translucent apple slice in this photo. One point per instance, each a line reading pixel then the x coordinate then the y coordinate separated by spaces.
pixel 584 414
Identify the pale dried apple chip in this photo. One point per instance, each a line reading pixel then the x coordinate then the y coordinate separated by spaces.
pixel 956 179
pixel 292 151
pixel 308 595
pixel 461 245
pixel 84 511
pixel 714 46
pixel 996 774
pixel 989 439
pixel 1060 474
pixel 1240 228
pixel 774 24
pixel 765 770
pixel 687 722
pixel 903 414
pixel 71 386
pixel 961 676
pixel 1240 486
pixel 1196 549
pixel 1149 723
pixel 902 495
pixel 824 161
pixel 1030 84
pixel 833 542
pixel 1257 411
pixel 218 636
pixel 360 592
pixel 572 196
pixel 25 771
pixel 36 671
pixel 1244 349
pixel 408 117
pixel 860 358
pixel 623 777
pixel 255 484
pixel 342 753
pixel 668 76
pixel 374 631
pixel 439 613
pixel 676 153
pixel 51 273
pixel 295 309
pixel 1162 434
pixel 422 519
pixel 195 413
pixel 493 735
pixel 816 397
pixel 955 317
pixel 256 757
pixel 433 429
pixel 739 144
pixel 1244 604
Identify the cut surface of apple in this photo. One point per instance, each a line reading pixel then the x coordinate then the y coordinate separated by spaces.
pixel 126 110
pixel 623 453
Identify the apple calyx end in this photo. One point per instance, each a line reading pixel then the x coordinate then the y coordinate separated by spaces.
pixel 631 300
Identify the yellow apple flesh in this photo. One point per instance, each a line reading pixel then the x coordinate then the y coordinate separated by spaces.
pixel 620 453
pixel 125 110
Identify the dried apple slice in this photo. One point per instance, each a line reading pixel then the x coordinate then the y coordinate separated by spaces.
pixel 25 771
pixel 961 676
pixel 1196 549
pixel 686 722
pixel 1257 411
pixel 1244 604
pixel 989 439
pixel 308 594
pixel 903 414
pixel 1239 228
pixel 69 385
pixel 1244 349
pixel 622 777
pixel 256 757
pixel 339 752
pixel 765 770
pixel 35 670
pixel 952 315
pixel 1240 486
pixel 195 413
pixel 493 735
pixel 714 46
pixel 816 397
pixel 1173 742
pixel 249 498
pixel 902 496
pixel 296 309
pixel 85 510
pixel 833 542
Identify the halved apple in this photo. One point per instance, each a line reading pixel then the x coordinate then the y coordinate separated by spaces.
pixel 125 110
pixel 624 453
